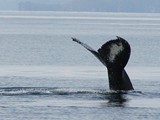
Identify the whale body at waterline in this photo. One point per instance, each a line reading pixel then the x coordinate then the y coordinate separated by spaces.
pixel 114 54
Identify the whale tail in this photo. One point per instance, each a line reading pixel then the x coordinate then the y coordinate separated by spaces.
pixel 114 54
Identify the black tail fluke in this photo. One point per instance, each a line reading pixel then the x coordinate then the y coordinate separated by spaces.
pixel 114 54
pixel 95 53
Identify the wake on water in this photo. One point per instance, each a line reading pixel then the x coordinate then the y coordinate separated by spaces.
pixel 112 98
pixel 60 91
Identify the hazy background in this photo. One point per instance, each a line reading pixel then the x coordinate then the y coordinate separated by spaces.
pixel 147 6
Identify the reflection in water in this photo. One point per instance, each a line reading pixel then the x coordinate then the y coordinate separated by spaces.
pixel 116 99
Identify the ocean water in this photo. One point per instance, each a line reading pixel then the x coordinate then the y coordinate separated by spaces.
pixel 45 75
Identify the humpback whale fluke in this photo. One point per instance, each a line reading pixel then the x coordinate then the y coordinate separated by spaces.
pixel 114 54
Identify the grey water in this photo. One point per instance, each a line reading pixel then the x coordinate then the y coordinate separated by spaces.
pixel 45 75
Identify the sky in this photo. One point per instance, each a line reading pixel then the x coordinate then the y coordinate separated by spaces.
pixel 13 4
pixel 81 5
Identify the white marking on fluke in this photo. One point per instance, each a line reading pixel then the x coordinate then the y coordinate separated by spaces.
pixel 115 49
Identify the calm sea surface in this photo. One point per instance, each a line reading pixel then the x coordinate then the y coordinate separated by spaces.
pixel 46 76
